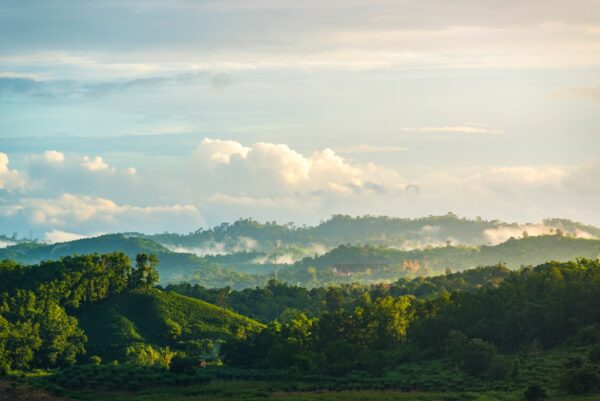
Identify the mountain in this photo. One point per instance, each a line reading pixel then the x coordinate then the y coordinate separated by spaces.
pixel 156 318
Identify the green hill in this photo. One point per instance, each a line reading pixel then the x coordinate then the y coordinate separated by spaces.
pixel 157 318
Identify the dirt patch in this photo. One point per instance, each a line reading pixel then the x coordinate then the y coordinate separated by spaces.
pixel 12 391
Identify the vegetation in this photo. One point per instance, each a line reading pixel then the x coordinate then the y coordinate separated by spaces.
pixel 49 311
pixel 478 332
pixel 96 327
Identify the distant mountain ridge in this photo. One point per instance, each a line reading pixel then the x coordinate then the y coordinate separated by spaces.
pixel 251 235
pixel 341 249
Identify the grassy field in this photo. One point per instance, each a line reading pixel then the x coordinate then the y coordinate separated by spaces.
pixel 221 390
pixel 255 391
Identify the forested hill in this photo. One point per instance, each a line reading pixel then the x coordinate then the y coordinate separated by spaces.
pixel 95 307
pixel 250 235
pixel 514 253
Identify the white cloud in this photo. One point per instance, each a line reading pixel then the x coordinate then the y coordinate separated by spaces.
pixel 225 180
pixel 52 156
pixel 268 169
pixel 87 215
pixel 52 173
pixel 10 179
pixel 94 164
pixel 216 151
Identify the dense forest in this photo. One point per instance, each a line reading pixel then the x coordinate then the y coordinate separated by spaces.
pixel 52 311
pixel 99 322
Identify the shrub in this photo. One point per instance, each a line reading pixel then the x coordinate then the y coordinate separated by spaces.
pixel 582 379
pixel 535 392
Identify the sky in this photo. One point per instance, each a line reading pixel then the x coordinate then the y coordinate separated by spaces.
pixel 172 115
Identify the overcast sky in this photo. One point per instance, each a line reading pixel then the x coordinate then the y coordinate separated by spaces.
pixel 175 115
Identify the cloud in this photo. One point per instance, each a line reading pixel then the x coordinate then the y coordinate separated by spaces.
pixel 10 180
pixel 52 156
pixel 94 164
pixel 80 215
pixel 225 180
pixel 52 173
pixel 268 169
pixel 473 129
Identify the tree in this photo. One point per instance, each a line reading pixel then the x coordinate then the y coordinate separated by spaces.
pixel 145 273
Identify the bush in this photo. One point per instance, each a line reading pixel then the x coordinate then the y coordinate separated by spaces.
pixel 535 392
pixel 583 379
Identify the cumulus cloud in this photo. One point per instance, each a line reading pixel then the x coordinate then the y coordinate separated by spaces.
pixel 94 164
pixel 268 169
pixel 9 179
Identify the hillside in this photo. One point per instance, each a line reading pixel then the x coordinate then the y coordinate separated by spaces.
pixel 157 318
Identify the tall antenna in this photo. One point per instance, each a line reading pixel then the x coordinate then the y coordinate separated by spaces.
pixel 276 244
